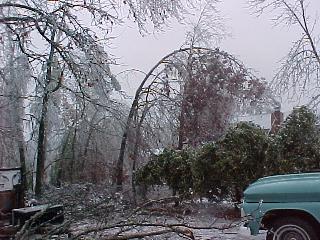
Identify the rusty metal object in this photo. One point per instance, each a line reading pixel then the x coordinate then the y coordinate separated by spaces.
pixel 7 201
pixel 11 192
pixel 13 213
pixel 11 197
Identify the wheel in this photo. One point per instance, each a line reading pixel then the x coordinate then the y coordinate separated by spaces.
pixel 292 229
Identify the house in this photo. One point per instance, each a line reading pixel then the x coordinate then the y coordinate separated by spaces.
pixel 270 122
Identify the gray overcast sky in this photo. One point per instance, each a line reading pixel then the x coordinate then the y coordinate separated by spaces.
pixel 255 41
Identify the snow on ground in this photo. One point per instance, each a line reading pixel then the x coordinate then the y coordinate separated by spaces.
pixel 207 214
pixel 88 206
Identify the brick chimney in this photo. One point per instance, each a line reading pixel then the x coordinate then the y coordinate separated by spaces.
pixel 276 120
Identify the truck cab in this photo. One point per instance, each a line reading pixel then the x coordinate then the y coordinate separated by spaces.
pixel 287 206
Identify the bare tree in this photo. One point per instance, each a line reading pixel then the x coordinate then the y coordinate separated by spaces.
pixel 300 69
pixel 66 39
pixel 75 46
pixel 13 75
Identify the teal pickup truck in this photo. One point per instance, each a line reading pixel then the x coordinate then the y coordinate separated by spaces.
pixel 288 206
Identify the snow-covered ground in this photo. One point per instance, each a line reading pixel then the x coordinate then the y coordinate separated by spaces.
pixel 90 206
pixel 208 214
pixel 235 234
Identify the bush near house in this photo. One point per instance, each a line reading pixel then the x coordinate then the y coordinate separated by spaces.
pixel 244 154
pixel 170 167
pixel 298 142
pixel 207 177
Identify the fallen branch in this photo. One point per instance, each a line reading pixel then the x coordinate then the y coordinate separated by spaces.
pixel 177 228
pixel 27 228
pixel 185 232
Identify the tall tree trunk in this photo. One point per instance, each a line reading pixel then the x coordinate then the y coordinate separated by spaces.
pixel 86 148
pixel 74 139
pixel 23 165
pixel 184 108
pixel 16 109
pixel 41 150
pixel 60 170
pixel 181 130
pixel 42 133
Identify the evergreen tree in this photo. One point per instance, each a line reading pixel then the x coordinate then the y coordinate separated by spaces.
pixel 242 156
pixel 298 141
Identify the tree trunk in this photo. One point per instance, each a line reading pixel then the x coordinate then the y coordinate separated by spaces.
pixel 86 148
pixel 41 151
pixel 181 126
pixel 16 105
pixel 42 133
pixel 72 163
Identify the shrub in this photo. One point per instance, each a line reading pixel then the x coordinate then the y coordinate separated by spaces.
pixel 207 181
pixel 242 157
pixel 298 142
pixel 172 167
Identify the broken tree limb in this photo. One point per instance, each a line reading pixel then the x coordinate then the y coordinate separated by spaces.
pixel 179 228
pixel 187 233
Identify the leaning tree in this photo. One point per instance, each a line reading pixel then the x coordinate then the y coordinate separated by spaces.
pixel 190 95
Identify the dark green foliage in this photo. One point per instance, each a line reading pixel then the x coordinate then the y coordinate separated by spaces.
pixel 207 179
pixel 272 164
pixel 242 156
pixel 298 142
pixel 150 174
pixel 216 169
pixel 170 167
pixel 177 171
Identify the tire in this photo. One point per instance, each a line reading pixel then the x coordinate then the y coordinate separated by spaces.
pixel 292 228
